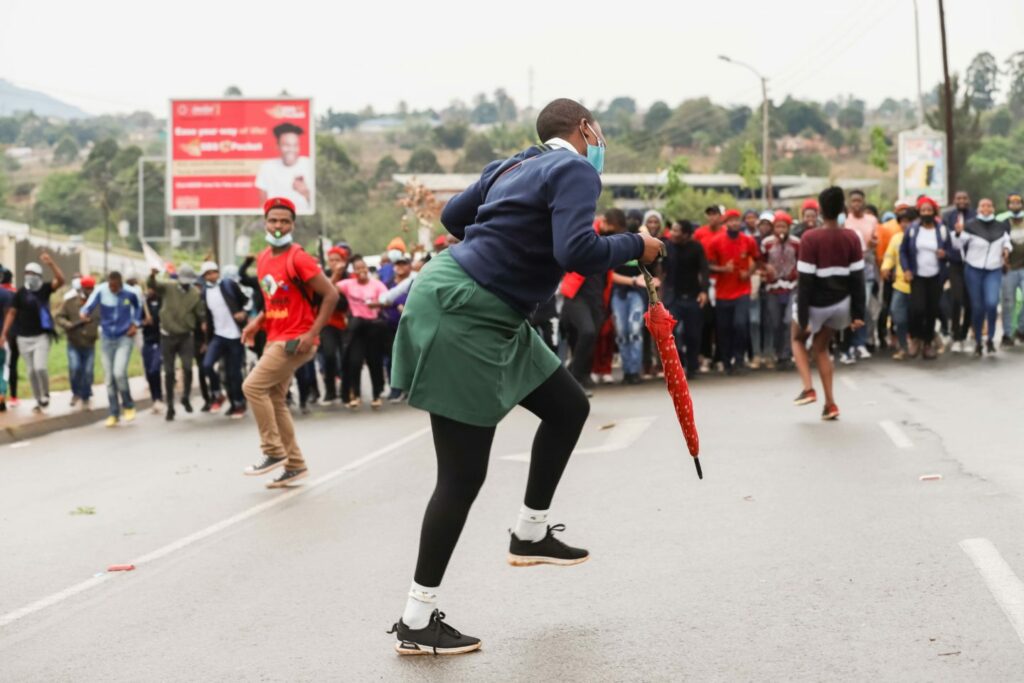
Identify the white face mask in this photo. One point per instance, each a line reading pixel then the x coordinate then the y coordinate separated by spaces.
pixel 33 283
pixel 277 239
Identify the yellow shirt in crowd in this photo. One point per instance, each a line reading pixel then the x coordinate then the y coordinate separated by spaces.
pixel 892 262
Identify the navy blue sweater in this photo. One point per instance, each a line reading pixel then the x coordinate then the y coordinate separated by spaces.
pixel 527 221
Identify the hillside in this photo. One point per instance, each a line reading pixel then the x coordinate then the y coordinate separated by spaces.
pixel 14 99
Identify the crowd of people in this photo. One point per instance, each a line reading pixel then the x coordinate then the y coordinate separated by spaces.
pixel 934 281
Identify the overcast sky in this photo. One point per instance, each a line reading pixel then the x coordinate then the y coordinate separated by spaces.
pixel 123 55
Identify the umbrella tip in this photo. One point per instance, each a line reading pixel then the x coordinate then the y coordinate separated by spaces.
pixel 696 463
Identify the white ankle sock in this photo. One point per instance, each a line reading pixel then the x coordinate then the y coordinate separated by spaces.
pixel 418 608
pixel 532 525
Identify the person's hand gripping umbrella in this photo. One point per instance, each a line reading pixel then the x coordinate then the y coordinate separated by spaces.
pixel 661 323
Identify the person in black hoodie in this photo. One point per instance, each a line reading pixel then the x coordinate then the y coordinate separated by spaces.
pixel 225 316
pixel 959 303
pixel 686 278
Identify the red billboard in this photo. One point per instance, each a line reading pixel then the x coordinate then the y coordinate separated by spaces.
pixel 226 156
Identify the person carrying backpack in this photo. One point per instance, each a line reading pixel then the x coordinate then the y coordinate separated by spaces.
pixel 298 301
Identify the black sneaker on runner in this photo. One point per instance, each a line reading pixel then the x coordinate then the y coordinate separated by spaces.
pixel 287 478
pixel 437 638
pixel 548 550
pixel 269 463
pixel 187 405
pixel 806 396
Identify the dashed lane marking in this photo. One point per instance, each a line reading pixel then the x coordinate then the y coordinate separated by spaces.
pixel 896 434
pixel 1005 586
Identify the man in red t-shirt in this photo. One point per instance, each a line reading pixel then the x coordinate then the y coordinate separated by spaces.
pixel 289 279
pixel 733 256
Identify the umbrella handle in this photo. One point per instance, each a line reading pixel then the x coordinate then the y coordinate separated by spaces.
pixel 652 291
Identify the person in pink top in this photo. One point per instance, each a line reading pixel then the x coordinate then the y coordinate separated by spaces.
pixel 367 334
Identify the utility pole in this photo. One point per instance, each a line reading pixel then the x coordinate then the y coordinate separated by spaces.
pixel 766 161
pixel 948 98
pixel 917 44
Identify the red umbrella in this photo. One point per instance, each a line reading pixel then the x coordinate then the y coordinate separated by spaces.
pixel 661 323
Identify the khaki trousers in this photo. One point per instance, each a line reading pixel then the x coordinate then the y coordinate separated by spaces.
pixel 266 389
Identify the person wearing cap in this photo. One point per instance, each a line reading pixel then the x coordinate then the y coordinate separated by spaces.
pixel 958 303
pixel 298 300
pixel 765 226
pixel 30 315
pixel 781 252
pixel 924 256
pixel 81 336
pixel 120 319
pixel 1013 279
pixel 225 316
pixel 182 311
pixel 733 256
pixel 809 218
pixel 466 353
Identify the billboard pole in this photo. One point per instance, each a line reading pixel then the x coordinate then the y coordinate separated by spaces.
pixel 948 98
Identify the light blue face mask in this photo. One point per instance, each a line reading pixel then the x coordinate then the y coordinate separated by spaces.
pixel 276 239
pixel 595 153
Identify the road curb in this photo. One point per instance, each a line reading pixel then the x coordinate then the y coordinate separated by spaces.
pixel 48 425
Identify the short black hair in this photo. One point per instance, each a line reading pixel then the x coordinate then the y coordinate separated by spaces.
pixel 856 193
pixel 832 202
pixel 713 209
pixel 560 118
pixel 909 213
pixel 285 128
pixel 616 218
pixel 686 226
pixel 872 209
pixel 114 275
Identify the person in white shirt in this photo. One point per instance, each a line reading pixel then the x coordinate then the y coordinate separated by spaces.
pixel 986 246
pixel 225 315
pixel 292 175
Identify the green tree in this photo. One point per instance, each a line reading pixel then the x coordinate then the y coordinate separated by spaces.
pixel 66 200
pixel 966 124
pixel 996 168
pixel 1015 71
pixel 983 81
pixel 386 167
pixel 797 116
pixel 812 164
pixel 66 150
pixel 10 130
pixel 484 111
pixel 505 106
pixel 341 193
pixel 694 115
pixel 232 91
pixel 999 122
pixel 683 201
pixel 423 160
pixel 739 118
pixel 851 118
pixel 451 135
pixel 656 117
pixel 879 156
pixel 834 137
pixel 750 166
pixel 100 171
pixel 476 154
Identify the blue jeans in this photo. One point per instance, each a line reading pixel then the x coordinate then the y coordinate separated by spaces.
pixel 777 307
pixel 1013 281
pixel 152 363
pixel 732 322
pixel 80 368
pixel 234 353
pixel 860 337
pixel 628 312
pixel 900 310
pixel 755 326
pixel 115 354
pixel 983 288
pixel 688 332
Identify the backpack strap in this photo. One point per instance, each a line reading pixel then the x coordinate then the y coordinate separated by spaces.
pixel 293 277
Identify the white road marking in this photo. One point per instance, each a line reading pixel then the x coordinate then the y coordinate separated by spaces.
pixel 849 383
pixel 1006 587
pixel 896 434
pixel 620 437
pixel 166 550
pixel 20 444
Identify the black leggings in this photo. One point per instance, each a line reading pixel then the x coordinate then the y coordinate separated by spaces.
pixel 462 454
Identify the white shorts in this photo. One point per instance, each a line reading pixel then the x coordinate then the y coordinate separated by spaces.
pixel 835 317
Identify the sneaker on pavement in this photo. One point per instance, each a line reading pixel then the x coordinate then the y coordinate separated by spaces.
pixel 847 358
pixel 111 421
pixel 74 401
pixel 288 478
pixel 1006 343
pixel 156 407
pixel 436 638
pixel 327 400
pixel 830 412
pixel 958 347
pixel 169 415
pixel 236 413
pixel 1020 336
pixel 129 414
pixel 13 402
pixel 207 407
pixel 900 355
pixel 607 379
pixel 863 353
pixel 216 405
pixel 376 403
pixel 269 463
pixel 548 550
pixel 806 396
pixel 187 405
pixel 990 347
pixel 978 350
pixel 398 399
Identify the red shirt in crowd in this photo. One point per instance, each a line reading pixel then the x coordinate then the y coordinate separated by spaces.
pixel 704 234
pixel 288 314
pixel 741 251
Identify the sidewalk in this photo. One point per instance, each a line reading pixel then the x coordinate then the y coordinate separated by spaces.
pixel 20 423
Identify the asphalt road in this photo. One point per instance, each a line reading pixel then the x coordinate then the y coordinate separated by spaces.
pixel 810 551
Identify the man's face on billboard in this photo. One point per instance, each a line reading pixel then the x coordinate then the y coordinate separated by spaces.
pixel 289 144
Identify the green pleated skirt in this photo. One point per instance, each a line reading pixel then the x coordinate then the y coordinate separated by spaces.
pixel 463 353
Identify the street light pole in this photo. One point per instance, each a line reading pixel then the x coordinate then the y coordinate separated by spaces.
pixel 948 97
pixel 766 161
pixel 920 93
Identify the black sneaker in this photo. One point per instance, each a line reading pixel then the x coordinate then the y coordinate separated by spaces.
pixel 187 405
pixel 207 407
pixel 1007 342
pixel 288 478
pixel 269 463
pixel 990 347
pixel 169 416
pixel 978 350
pixel 437 638
pixel 548 550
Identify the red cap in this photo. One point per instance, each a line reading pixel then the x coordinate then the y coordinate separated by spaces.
pixel 810 204
pixel 278 203
pixel 783 216
pixel 88 282
pixel 732 213
pixel 339 251
pixel 441 240
pixel 922 200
